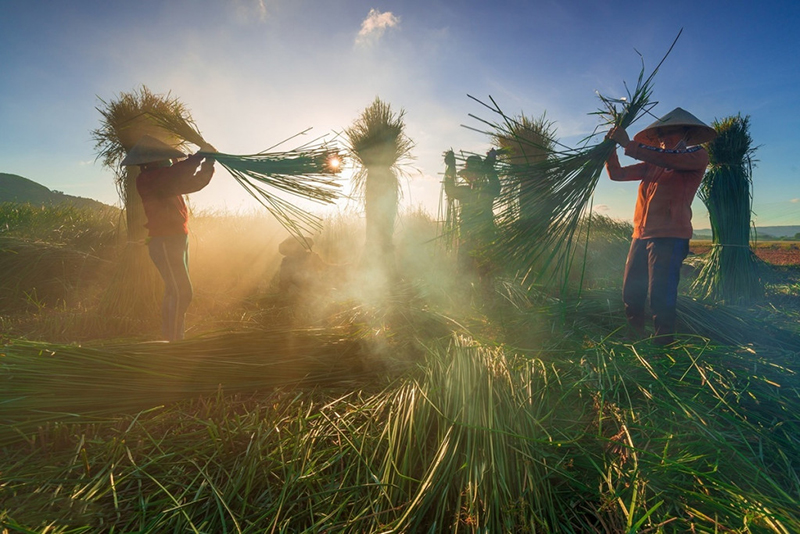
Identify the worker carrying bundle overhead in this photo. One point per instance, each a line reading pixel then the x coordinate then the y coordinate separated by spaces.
pixel 162 182
pixel 671 169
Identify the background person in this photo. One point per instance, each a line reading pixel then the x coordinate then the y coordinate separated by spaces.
pixel 672 166
pixel 476 203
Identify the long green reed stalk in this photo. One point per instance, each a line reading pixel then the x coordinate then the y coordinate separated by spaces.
pixel 732 271
pixel 541 247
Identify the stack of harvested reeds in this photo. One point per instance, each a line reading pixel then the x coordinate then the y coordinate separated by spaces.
pixel 731 273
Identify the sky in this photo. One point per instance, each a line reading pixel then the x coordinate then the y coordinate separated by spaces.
pixel 256 72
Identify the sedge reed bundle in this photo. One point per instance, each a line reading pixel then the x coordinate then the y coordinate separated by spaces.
pixel 528 142
pixel 731 273
pixel 540 248
pixel 44 382
pixel 306 172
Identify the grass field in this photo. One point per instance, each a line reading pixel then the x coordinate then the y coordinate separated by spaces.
pixel 422 404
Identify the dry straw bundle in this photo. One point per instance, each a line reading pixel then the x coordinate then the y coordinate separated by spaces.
pixel 731 272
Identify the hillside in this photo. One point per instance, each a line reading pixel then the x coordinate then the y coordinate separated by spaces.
pixel 15 188
pixel 764 232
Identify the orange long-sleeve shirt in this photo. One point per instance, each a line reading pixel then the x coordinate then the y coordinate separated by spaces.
pixel 162 191
pixel 669 181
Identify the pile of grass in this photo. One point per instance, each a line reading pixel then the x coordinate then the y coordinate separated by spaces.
pixel 732 272
pixel 603 438
pixel 45 382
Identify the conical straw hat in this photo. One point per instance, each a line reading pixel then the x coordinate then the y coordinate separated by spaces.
pixel 698 131
pixel 149 149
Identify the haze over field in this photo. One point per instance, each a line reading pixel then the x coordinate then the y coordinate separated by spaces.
pixel 255 72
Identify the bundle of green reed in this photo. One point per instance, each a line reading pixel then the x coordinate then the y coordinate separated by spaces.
pixel 528 142
pixel 731 272
pixel 56 383
pixel 380 147
pixel 305 172
pixel 541 247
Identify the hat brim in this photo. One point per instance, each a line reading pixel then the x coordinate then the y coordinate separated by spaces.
pixel 149 150
pixel 697 132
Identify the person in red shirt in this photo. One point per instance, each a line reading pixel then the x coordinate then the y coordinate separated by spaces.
pixel 672 165
pixel 162 182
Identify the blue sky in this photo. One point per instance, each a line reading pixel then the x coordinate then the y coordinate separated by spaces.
pixel 256 72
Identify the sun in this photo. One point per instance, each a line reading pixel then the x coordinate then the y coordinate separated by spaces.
pixel 335 163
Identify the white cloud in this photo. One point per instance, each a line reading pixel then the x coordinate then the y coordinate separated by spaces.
pixel 602 207
pixel 374 26
pixel 248 10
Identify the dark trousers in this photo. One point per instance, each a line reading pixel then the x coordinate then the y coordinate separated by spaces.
pixel 654 267
pixel 171 257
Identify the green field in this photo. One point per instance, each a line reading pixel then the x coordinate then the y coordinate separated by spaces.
pixel 422 404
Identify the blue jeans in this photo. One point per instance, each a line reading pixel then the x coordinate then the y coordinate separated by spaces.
pixel 171 257
pixel 654 267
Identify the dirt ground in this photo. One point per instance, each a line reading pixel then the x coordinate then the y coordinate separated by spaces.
pixel 774 252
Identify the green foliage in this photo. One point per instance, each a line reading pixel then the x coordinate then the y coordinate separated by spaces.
pixel 410 412
pixel 85 229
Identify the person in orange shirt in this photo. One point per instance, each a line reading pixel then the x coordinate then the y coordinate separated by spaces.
pixel 162 183
pixel 672 165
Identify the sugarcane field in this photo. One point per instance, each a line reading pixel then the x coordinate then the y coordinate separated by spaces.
pixel 372 312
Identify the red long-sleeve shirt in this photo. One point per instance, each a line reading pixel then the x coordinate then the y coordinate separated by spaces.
pixel 669 181
pixel 162 191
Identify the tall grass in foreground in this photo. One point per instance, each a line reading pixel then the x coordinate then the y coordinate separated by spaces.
pixel 603 438
pixel 731 273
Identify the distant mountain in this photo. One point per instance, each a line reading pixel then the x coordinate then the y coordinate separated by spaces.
pixel 15 188
pixel 763 232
